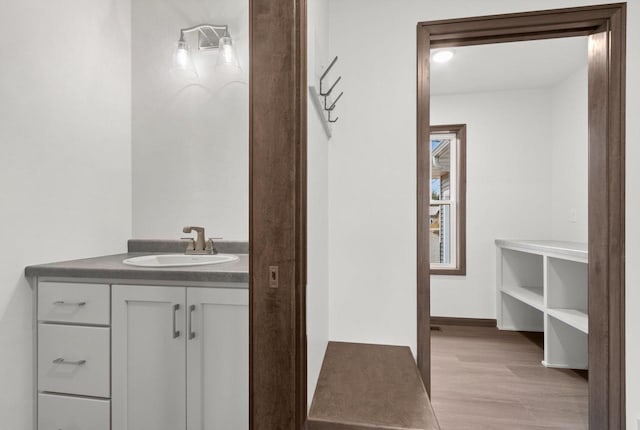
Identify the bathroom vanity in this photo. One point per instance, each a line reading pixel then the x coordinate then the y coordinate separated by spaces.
pixel 131 348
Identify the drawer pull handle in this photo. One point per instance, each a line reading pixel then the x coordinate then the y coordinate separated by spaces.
pixel 192 334
pixel 61 360
pixel 62 303
pixel 176 333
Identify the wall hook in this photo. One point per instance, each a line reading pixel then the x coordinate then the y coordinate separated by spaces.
pixel 324 75
pixel 333 105
pixel 328 93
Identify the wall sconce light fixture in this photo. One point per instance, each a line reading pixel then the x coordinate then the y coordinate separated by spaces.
pixel 210 37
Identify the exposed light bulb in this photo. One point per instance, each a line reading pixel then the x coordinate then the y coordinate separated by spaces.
pixel 442 56
pixel 226 53
pixel 182 57
pixel 182 62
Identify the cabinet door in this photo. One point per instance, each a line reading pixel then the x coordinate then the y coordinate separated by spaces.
pixel 217 359
pixel 148 358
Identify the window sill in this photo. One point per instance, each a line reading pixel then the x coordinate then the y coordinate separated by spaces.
pixel 449 272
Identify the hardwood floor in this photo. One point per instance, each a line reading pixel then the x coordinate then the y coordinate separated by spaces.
pixel 486 379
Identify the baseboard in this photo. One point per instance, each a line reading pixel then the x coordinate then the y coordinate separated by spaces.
pixel 468 322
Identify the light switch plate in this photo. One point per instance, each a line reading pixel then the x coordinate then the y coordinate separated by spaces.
pixel 573 215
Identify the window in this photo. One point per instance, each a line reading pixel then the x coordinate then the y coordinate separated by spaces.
pixel 447 217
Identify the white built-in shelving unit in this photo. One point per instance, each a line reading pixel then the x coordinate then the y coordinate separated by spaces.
pixel 542 286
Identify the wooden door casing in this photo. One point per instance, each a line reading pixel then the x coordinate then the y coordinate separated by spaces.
pixel 606 26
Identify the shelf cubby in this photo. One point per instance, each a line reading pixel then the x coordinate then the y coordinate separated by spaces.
pixel 542 286
pixel 564 346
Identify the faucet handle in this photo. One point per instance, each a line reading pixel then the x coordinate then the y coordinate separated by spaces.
pixel 209 246
pixel 192 243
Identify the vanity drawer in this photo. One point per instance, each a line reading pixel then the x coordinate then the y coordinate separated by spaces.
pixel 62 412
pixel 73 303
pixel 74 359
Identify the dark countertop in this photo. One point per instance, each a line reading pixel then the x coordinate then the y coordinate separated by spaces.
pixel 112 267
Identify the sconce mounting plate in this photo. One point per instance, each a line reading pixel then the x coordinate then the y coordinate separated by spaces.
pixel 209 36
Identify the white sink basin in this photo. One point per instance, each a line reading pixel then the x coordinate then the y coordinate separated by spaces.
pixel 178 260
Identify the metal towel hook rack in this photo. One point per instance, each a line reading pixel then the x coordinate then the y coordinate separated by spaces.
pixel 326 106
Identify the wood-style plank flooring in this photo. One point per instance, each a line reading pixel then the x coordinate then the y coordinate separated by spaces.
pixel 486 379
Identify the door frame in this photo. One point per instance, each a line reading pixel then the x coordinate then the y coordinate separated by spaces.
pixel 277 214
pixel 607 59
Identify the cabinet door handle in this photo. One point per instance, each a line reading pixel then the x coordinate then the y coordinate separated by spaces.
pixel 62 302
pixel 192 334
pixel 176 333
pixel 61 360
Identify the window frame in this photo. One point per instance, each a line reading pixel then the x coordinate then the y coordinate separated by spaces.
pixel 457 201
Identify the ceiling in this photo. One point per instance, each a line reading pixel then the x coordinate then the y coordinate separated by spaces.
pixel 509 66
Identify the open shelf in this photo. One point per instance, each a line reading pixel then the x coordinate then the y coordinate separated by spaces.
pixel 564 346
pixel 529 295
pixel 575 318
pixel 543 286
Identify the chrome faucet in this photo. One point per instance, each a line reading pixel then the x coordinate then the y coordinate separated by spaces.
pixel 200 245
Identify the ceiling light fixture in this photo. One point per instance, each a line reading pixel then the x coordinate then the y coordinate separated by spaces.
pixel 210 37
pixel 442 56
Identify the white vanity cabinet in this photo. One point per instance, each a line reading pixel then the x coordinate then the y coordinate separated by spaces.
pixel 217 359
pixel 72 356
pixel 180 358
pixel 148 358
pixel 140 357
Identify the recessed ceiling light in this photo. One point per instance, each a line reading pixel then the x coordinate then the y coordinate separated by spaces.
pixel 442 56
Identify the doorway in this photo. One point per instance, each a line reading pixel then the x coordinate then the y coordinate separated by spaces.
pixel 605 27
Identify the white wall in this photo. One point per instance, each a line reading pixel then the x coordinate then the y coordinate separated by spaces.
pixel 190 138
pixel 317 200
pixel 570 157
pixel 374 300
pixel 65 175
pixel 508 187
